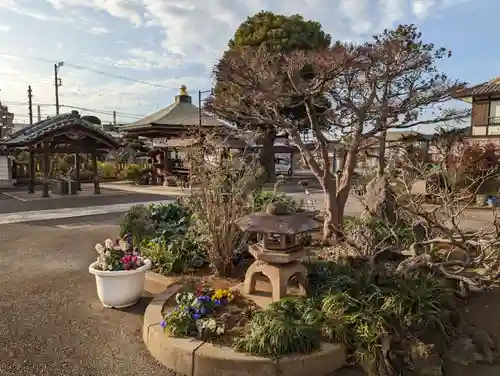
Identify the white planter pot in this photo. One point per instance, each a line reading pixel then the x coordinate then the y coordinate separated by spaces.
pixel 120 289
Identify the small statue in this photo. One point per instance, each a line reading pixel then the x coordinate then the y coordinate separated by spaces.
pixel 183 90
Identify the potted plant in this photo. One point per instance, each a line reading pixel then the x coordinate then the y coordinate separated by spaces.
pixel 119 273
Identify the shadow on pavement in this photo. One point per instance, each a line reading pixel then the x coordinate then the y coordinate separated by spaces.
pixel 139 308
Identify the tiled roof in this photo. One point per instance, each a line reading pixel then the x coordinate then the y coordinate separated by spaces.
pixel 180 113
pixel 37 131
pixel 489 87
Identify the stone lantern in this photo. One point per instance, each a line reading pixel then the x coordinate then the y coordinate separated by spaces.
pixel 277 252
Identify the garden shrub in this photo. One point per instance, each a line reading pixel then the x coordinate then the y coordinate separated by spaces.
pixel 290 325
pixel 138 223
pixel 173 246
pixel 170 213
pixel 260 199
pixel 220 200
pixel 134 172
pixel 107 170
pixel 369 232
pixel 362 308
pixel 175 255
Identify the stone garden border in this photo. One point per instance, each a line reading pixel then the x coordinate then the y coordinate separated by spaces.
pixel 197 358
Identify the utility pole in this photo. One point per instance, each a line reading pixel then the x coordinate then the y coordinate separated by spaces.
pixel 114 118
pixel 39 112
pixel 200 110
pixel 57 83
pixel 30 104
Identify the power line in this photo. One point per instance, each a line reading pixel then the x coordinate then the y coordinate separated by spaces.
pixel 104 112
pixel 96 91
pixel 96 71
pixel 97 110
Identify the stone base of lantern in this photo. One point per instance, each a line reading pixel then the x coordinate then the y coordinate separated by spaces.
pixel 279 275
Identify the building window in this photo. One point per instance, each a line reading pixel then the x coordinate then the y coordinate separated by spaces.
pixel 494 117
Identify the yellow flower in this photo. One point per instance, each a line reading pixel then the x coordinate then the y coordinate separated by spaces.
pixel 223 294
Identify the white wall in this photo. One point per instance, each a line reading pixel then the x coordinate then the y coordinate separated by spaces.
pixel 5 180
pixel 4 167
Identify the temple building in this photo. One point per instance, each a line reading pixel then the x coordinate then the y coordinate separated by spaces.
pixel 171 129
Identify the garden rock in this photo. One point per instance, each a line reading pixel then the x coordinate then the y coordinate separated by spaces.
pixel 464 352
pixel 380 200
pixel 362 236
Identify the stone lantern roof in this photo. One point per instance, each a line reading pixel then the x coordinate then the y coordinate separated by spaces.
pixel 278 223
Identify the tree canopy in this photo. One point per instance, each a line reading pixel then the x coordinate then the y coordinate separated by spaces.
pixel 275 34
pixel 278 33
pixel 389 82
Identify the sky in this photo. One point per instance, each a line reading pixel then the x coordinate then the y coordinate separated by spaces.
pixel 131 56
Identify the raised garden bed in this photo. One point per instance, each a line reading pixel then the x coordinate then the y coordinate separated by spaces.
pixel 62 187
pixel 199 357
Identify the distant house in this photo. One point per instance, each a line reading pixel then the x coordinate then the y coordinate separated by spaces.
pixel 485 101
pixel 6 119
pixel 396 142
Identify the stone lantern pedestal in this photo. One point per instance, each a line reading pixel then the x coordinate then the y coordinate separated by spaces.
pixel 277 253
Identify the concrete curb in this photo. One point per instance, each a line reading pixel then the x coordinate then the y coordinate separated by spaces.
pixel 192 357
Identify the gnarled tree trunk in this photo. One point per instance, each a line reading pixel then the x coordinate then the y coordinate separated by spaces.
pixel 266 156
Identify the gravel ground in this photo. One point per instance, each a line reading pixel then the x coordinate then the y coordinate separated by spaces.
pixel 51 321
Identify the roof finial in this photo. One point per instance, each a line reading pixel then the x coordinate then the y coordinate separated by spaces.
pixel 183 90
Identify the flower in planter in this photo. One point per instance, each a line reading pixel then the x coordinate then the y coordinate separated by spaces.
pixel 113 258
pixel 100 249
pixel 191 316
pixel 222 296
pixel 130 262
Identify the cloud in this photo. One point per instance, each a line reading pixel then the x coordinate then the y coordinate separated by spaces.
pixel 421 8
pixel 78 22
pixel 123 9
pixel 161 41
pixel 140 59
pixel 199 30
pixel 98 30
pixel 130 100
pixel 5 28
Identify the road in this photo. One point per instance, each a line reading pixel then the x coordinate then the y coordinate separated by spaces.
pixel 470 219
pixel 51 321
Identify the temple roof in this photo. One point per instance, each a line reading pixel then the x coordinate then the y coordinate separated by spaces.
pixel 485 88
pixel 180 113
pixel 55 125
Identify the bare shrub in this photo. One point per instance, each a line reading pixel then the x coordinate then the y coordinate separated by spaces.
pixel 221 192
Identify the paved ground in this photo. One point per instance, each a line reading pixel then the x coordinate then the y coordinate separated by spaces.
pixel 11 205
pixel 51 321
